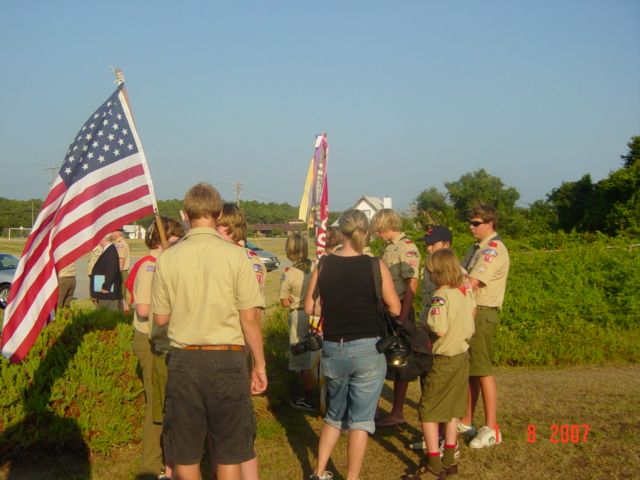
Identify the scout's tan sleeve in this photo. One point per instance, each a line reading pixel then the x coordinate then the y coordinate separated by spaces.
pixel 142 284
pixel 409 261
pixel 437 319
pixel 490 260
pixel 285 285
pixel 159 293
pixel 247 291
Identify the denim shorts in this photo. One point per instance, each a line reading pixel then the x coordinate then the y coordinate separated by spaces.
pixel 208 396
pixel 354 372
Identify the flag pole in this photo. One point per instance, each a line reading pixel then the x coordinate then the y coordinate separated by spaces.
pixel 119 74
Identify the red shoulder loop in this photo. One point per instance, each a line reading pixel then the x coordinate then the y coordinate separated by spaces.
pixel 134 271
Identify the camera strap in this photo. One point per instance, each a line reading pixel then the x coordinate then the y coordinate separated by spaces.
pixel 316 296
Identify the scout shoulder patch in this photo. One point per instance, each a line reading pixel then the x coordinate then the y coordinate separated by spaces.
pixel 493 244
pixel 438 302
pixel 250 253
pixel 411 253
pixel 257 268
pixel 435 311
pixel 151 268
pixel 408 241
pixel 260 278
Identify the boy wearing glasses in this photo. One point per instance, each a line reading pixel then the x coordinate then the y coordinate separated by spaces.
pixel 487 264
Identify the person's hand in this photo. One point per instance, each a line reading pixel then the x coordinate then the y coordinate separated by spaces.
pixel 258 381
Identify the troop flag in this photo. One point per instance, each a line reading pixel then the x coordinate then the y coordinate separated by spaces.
pixel 314 204
pixel 104 183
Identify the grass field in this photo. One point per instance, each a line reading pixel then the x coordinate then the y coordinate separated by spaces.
pixel 603 399
pixel 607 399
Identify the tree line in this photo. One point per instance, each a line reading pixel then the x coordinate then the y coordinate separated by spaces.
pixel 610 206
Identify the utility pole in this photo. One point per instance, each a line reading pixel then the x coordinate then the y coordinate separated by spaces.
pixel 54 172
pixel 238 187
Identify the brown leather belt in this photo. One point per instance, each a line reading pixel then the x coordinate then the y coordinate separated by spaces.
pixel 225 348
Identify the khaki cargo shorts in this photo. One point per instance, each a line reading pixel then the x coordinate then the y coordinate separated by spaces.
pixel 481 344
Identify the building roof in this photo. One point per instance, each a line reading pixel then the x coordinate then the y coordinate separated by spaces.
pixel 375 202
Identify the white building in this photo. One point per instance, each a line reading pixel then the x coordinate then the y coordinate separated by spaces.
pixel 371 205
pixel 135 231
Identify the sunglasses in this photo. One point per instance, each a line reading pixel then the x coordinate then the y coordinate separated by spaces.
pixel 476 223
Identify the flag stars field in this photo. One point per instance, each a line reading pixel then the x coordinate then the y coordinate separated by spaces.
pixel 114 190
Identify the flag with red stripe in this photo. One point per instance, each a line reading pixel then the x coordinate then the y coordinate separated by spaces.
pixel 104 183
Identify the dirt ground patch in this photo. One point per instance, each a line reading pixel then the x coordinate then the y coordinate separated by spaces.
pixel 607 399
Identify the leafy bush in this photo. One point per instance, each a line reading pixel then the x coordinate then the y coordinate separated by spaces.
pixel 76 388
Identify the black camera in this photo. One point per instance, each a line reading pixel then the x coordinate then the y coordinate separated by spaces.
pixel 396 349
pixel 312 342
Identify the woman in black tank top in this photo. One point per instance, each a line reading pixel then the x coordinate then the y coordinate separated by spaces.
pixel 353 368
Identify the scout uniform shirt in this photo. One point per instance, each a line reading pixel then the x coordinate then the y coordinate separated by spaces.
pixel 451 313
pixel 293 284
pixel 202 282
pixel 490 265
pixel 123 252
pixel 142 292
pixel 402 257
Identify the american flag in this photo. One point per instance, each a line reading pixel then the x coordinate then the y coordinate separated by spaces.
pixel 103 183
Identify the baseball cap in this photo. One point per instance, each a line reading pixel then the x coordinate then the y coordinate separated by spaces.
pixel 438 234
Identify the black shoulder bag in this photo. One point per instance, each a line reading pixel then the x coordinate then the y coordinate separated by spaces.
pixel 406 351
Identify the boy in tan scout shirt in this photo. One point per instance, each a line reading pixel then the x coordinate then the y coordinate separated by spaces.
pixel 205 290
pixel 293 289
pixel 403 259
pixel 445 389
pixel 232 226
pixel 487 264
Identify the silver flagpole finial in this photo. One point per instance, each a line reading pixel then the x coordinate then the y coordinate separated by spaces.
pixel 119 75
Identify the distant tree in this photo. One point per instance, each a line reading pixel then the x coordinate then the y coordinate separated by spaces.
pixel 18 213
pixel 633 156
pixel 620 194
pixel 481 187
pixel 433 208
pixel 612 205
pixel 571 202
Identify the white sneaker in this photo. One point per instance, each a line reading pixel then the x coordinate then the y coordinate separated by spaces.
pixel 466 430
pixel 486 437
pixel 324 476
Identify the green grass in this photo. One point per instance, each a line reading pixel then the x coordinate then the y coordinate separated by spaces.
pixel 73 409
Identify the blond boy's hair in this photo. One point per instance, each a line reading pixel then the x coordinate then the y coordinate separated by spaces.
pixel 202 201
pixel 296 247
pixel 385 220
pixel 234 220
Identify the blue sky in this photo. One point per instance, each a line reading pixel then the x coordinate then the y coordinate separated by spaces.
pixel 412 94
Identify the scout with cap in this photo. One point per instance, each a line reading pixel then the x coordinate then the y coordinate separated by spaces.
pixel 437 237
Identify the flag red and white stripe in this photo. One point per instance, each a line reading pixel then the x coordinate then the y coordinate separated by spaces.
pixel 103 184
